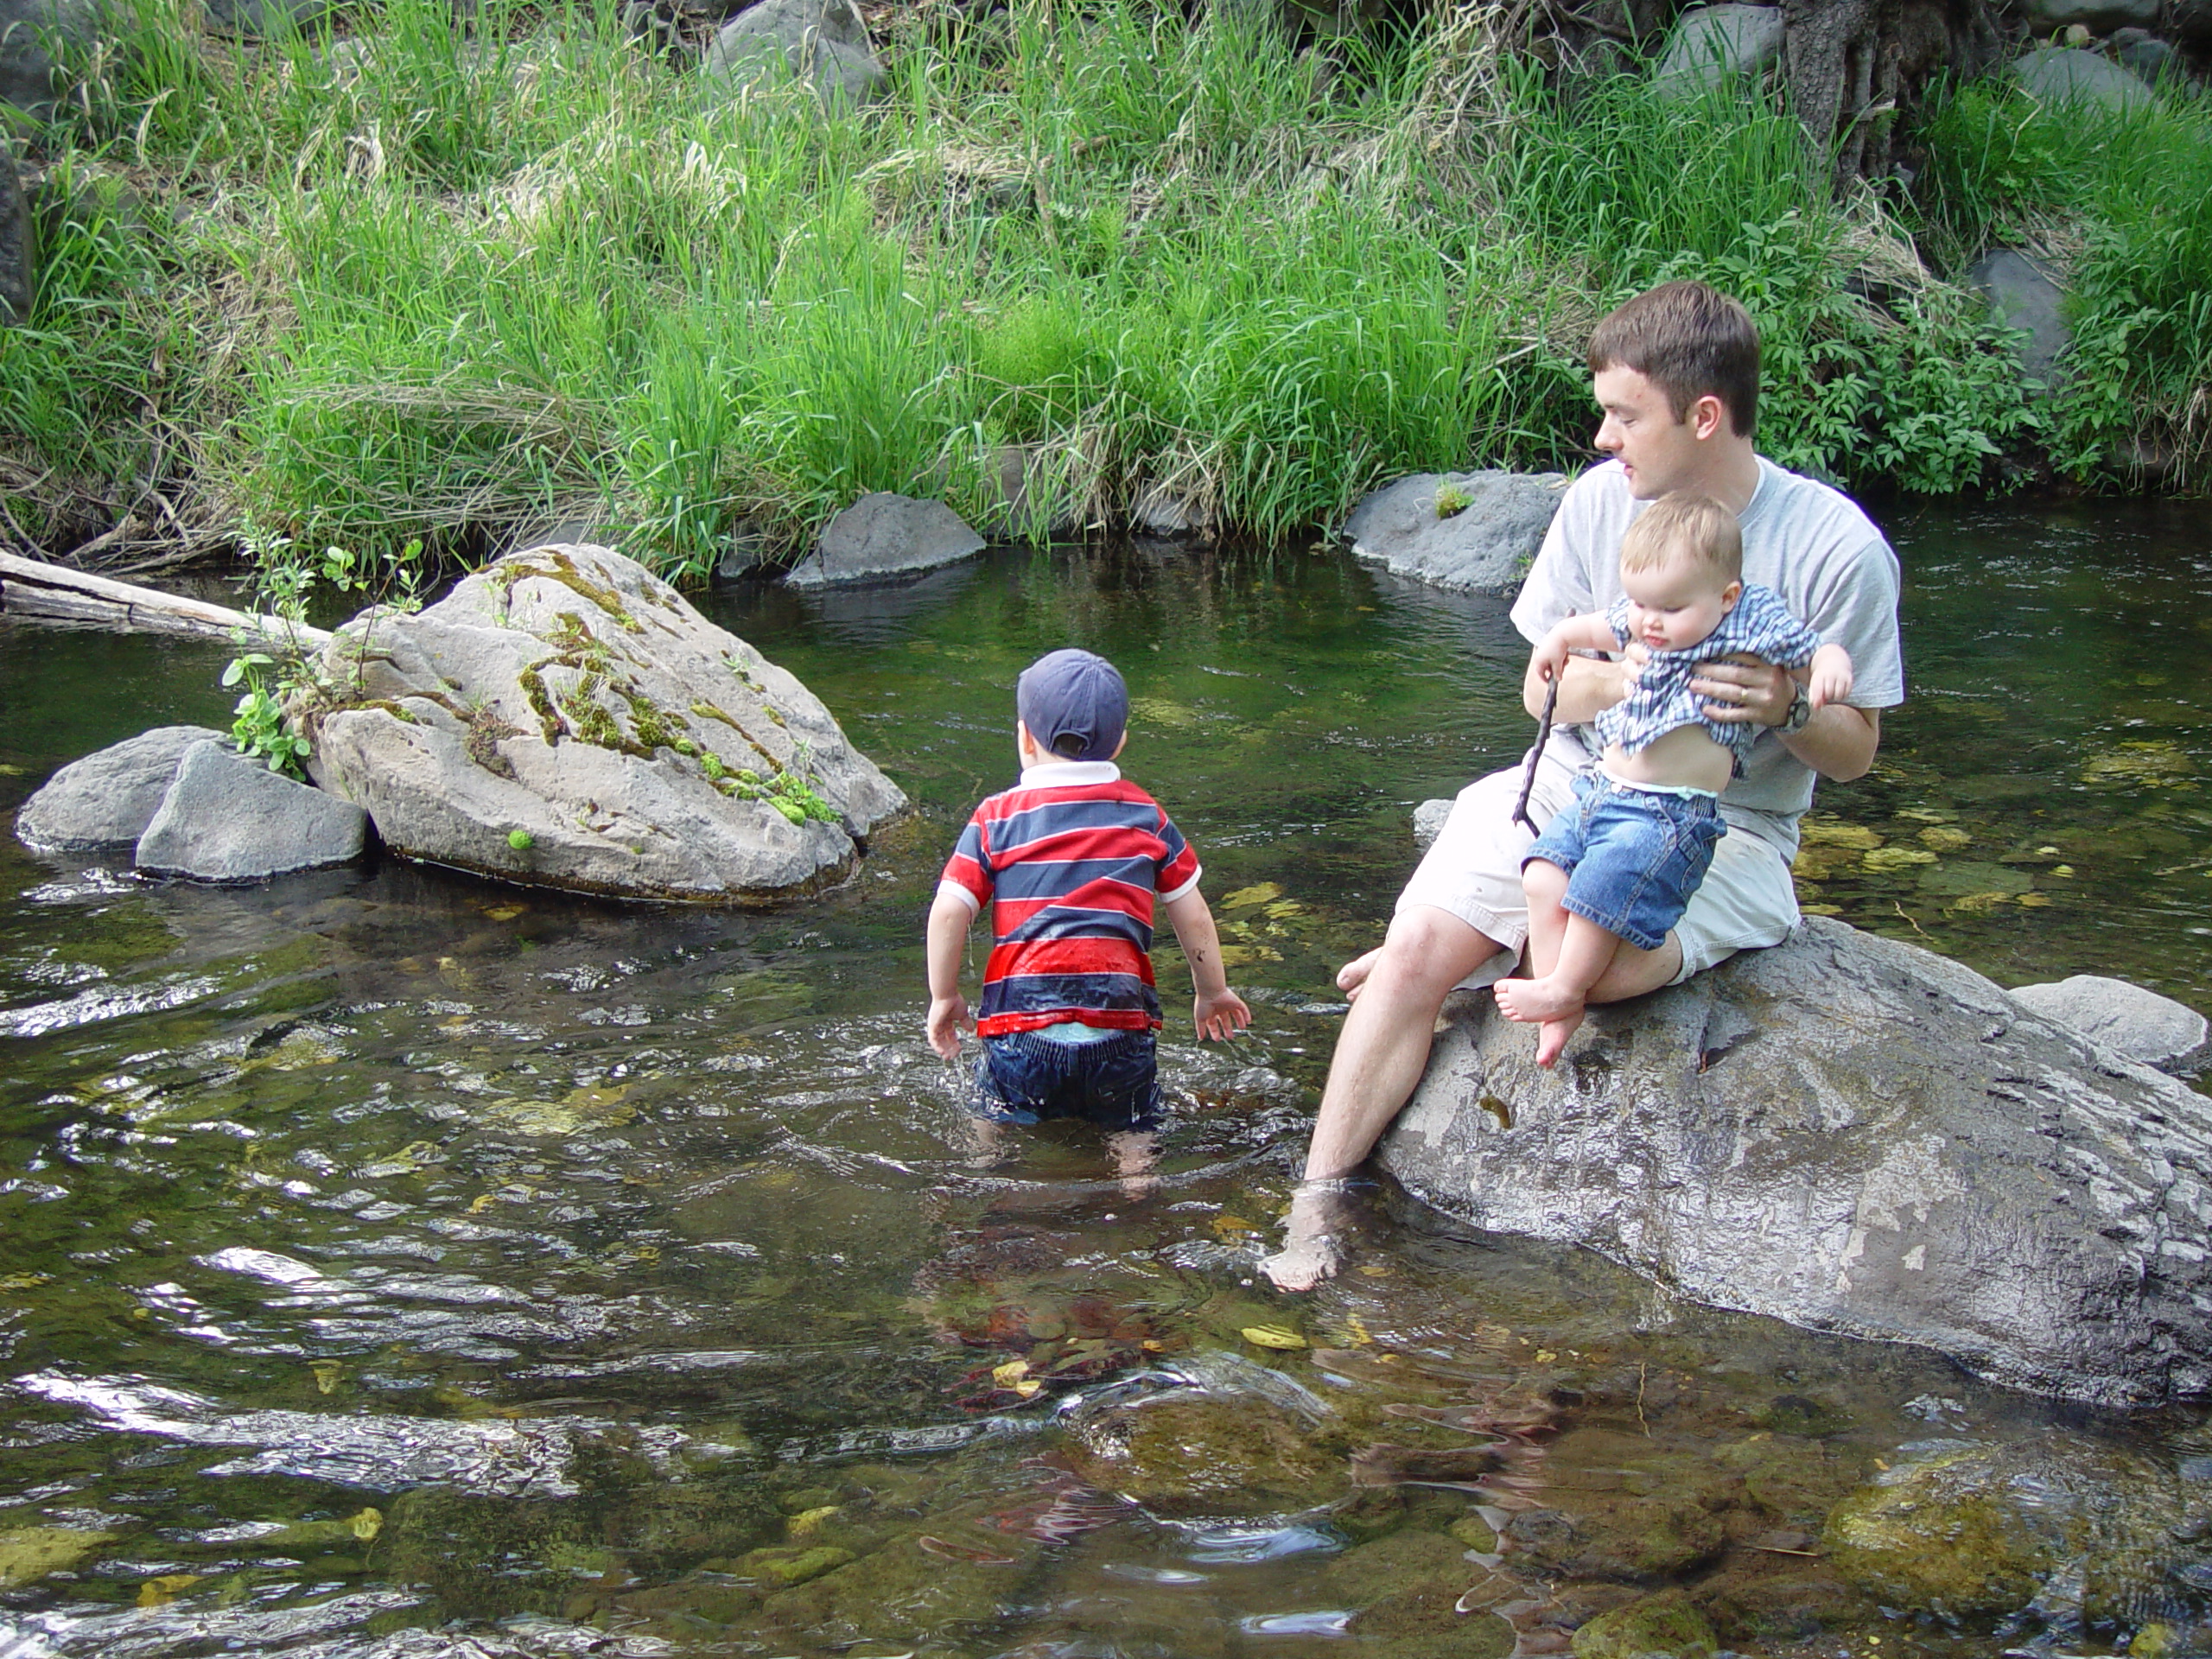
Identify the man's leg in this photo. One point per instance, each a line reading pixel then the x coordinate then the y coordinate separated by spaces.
pixel 1379 1059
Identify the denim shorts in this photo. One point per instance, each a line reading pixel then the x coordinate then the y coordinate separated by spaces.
pixel 1026 1077
pixel 1632 856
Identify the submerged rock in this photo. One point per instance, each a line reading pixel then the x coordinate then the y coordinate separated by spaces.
pixel 1194 1452
pixel 565 719
pixel 885 535
pixel 2083 1530
pixel 2141 1023
pixel 1858 1136
pixel 1666 1623
pixel 1471 532
pixel 226 819
pixel 28 1553
pixel 107 799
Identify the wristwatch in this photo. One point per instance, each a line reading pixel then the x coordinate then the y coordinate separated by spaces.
pixel 1800 716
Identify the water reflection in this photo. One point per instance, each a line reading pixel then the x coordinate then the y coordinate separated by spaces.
pixel 632 1270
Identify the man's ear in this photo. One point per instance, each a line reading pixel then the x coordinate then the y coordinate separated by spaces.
pixel 1708 416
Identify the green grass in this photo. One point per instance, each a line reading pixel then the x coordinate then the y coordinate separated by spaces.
pixel 2123 206
pixel 432 282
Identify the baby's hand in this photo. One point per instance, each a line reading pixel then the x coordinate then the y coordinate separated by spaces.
pixel 1830 680
pixel 948 1019
pixel 1220 1017
pixel 1549 657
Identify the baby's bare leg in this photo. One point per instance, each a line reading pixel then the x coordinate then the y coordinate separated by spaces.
pixel 1545 884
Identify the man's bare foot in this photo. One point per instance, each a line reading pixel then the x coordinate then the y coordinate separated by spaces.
pixel 1353 975
pixel 1551 1037
pixel 1535 1000
pixel 1313 1246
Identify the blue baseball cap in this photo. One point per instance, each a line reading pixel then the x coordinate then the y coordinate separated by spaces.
pixel 1077 693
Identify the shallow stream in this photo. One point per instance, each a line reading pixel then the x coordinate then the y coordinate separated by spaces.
pixel 397 1263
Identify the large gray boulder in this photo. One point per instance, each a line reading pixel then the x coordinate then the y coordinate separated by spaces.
pixel 39 40
pixel 822 42
pixel 1854 1135
pixel 2022 296
pixel 565 718
pixel 885 535
pixel 1491 525
pixel 226 819
pixel 2068 75
pixel 17 272
pixel 2142 1025
pixel 1711 43
pixel 107 799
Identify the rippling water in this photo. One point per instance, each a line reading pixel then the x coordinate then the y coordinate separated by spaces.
pixel 398 1264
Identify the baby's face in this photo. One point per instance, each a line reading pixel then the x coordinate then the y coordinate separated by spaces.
pixel 1676 604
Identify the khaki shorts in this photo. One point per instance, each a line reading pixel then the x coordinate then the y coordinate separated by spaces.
pixel 1473 872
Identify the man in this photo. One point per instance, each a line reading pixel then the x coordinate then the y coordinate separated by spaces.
pixel 1676 373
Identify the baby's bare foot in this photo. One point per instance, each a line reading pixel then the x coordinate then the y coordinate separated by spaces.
pixel 1537 1000
pixel 1551 1039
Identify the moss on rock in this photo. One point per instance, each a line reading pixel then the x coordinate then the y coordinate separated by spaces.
pixel 1666 1623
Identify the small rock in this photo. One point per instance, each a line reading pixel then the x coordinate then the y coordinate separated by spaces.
pixel 1713 42
pixel 32 32
pixel 1486 545
pixel 2142 1025
pixel 2062 75
pixel 2024 297
pixel 1192 1452
pixel 226 819
pixel 251 20
pixel 822 42
pixel 28 1553
pixel 1665 1623
pixel 2100 17
pixel 1428 823
pixel 107 799
pixel 885 535
pixel 2149 60
pixel 17 273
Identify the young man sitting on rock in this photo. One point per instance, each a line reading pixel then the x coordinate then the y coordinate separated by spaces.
pixel 1675 371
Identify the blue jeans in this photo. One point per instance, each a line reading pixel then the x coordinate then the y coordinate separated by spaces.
pixel 1025 1076
pixel 1632 856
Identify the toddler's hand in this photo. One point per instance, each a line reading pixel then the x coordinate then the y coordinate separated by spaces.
pixel 1549 657
pixel 1830 681
pixel 1220 1017
pixel 948 1019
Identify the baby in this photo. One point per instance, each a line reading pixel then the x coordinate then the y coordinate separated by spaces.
pixel 1621 862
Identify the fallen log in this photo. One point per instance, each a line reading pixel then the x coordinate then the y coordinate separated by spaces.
pixel 39 591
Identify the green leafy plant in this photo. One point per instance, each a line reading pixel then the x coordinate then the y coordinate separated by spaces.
pixel 258 728
pixel 1451 500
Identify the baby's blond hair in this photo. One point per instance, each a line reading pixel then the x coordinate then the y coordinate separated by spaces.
pixel 1684 526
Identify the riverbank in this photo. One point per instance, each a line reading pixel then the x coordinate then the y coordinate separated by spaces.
pixel 436 283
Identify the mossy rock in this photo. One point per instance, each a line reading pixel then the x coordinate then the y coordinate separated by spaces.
pixel 904 1592
pixel 1776 1598
pixel 1938 1535
pixel 1191 1453
pixel 486 1557
pixel 1666 1623
pixel 1402 1586
pixel 30 1553
pixel 1637 1538
pixel 1801 1414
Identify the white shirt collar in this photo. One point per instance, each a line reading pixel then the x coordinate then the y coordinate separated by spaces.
pixel 1060 774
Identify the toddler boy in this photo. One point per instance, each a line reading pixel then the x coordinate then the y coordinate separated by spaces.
pixel 1073 858
pixel 1621 862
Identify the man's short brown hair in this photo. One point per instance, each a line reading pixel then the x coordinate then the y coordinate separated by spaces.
pixel 1684 526
pixel 1687 340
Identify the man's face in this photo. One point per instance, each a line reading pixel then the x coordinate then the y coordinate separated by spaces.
pixel 1658 452
pixel 1674 605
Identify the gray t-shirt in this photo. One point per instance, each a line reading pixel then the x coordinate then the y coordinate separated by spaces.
pixel 1809 542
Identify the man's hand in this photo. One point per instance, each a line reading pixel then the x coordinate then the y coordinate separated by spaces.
pixel 1744 691
pixel 948 1019
pixel 1220 1016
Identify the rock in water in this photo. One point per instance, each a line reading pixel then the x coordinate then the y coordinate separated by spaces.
pixel 1471 532
pixel 885 535
pixel 226 819
pixel 564 718
pixel 107 798
pixel 1859 1137
pixel 2141 1023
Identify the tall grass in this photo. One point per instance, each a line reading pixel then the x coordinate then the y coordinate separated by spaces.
pixel 443 279
pixel 2122 203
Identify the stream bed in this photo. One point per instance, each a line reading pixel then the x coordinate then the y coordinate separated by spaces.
pixel 397 1263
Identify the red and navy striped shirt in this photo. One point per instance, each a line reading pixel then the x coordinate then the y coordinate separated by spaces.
pixel 1072 859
